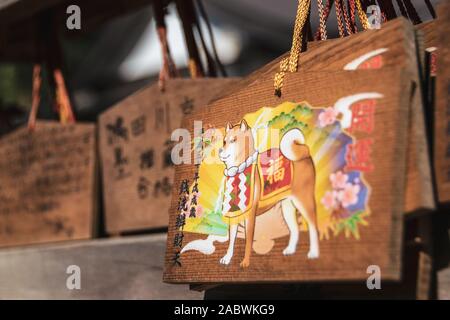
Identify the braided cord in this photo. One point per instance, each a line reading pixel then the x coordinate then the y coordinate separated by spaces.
pixel 322 21
pixel 352 7
pixel 290 64
pixel 326 13
pixel 62 99
pixel 302 15
pixel 35 94
pixel 168 69
pixel 346 18
pixel 362 15
pixel 339 18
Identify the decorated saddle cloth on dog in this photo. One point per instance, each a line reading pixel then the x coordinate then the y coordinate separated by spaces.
pixel 276 173
pixel 275 176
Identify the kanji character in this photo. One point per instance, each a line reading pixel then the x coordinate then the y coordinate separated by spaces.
pixel 147 159
pixel 357 155
pixel 138 125
pixel 176 259
pixel 184 188
pixel 181 221
pixel 117 130
pixel 164 185
pixel 363 116
pixel 192 212
pixel 142 187
pixel 178 239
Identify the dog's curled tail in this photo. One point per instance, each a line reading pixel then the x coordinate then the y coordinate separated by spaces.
pixel 293 145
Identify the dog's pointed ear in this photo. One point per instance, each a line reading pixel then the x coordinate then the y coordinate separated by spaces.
pixel 228 127
pixel 244 125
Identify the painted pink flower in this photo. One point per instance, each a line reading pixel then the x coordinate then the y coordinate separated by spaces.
pixel 338 180
pixel 349 196
pixel 327 117
pixel 199 212
pixel 329 199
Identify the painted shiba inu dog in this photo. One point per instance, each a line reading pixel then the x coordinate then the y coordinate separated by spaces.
pixel 255 182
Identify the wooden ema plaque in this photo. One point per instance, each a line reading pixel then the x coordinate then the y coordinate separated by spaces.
pixel 327 161
pixel 391 46
pixel 442 111
pixel 135 150
pixel 48 184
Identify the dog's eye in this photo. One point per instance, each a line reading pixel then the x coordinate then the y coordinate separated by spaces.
pixel 233 140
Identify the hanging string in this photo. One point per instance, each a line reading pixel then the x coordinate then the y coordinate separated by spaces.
pixel 48 50
pixel 211 36
pixel 62 101
pixel 430 8
pixel 326 14
pixel 387 10
pixel 352 9
pixel 187 15
pixel 35 96
pixel 362 15
pixel 322 21
pixel 412 13
pixel 346 18
pixel 302 11
pixel 211 67
pixel 168 68
pixel 290 64
pixel 54 61
pixel 63 104
pixel 402 8
pixel 339 18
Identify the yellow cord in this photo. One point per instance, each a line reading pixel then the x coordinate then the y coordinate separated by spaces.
pixel 362 16
pixel 290 64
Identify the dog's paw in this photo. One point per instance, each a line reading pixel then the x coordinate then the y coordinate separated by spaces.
pixel 226 259
pixel 245 263
pixel 289 250
pixel 313 254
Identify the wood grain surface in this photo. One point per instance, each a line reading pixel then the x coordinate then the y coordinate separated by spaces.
pixel 341 258
pixel 442 112
pixel 48 184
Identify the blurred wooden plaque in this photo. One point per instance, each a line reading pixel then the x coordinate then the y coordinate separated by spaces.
pixel 135 149
pixel 48 184
pixel 442 111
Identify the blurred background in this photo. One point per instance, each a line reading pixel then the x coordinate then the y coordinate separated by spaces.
pixel 107 60
pixel 116 53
